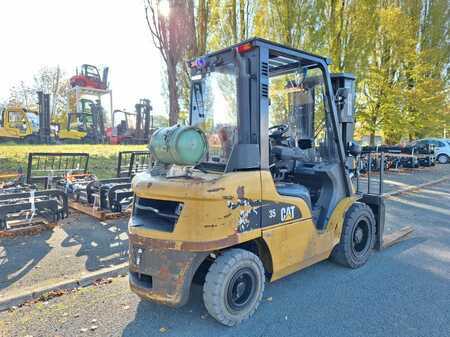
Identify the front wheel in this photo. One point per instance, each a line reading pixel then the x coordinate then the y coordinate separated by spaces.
pixel 443 159
pixel 357 237
pixel 234 286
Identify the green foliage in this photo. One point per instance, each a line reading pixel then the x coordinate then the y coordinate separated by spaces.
pixel 398 50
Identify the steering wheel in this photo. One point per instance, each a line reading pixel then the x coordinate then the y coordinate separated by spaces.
pixel 278 130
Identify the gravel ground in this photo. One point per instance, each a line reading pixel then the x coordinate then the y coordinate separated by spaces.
pixel 402 291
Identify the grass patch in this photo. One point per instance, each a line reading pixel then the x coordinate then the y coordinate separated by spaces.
pixel 102 158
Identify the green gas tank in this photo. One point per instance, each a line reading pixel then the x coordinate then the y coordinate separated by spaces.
pixel 180 145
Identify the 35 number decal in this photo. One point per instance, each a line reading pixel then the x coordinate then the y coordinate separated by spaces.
pixel 272 213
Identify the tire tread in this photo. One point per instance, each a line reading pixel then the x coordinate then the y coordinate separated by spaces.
pixel 214 282
pixel 342 252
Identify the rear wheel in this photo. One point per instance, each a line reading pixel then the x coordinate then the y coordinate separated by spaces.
pixel 234 286
pixel 31 139
pixel 357 237
pixel 443 159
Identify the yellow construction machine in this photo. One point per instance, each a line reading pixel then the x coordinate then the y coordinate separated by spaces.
pixel 19 124
pixel 257 187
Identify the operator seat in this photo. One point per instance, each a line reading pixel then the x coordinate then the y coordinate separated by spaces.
pixel 294 190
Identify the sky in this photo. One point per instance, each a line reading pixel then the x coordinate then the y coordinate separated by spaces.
pixel 69 33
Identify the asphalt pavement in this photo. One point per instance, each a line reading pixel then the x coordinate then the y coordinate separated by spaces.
pixel 402 291
pixel 78 246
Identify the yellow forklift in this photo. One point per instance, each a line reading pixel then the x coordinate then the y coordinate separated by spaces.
pixel 27 125
pixel 84 124
pixel 85 117
pixel 257 187
pixel 18 124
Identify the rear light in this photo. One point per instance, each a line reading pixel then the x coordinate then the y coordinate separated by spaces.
pixel 243 48
pixel 199 63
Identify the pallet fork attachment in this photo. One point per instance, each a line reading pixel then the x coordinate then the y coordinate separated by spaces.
pixel 22 210
pixel 376 201
pixel 100 198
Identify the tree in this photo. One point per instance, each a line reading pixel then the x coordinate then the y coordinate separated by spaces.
pixel 21 94
pixel 168 22
pixel 50 80
pixel 198 18
pixel 398 50
pixel 54 81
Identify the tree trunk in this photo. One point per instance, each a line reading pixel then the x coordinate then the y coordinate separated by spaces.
pixel 242 28
pixel 174 108
pixel 372 138
pixel 202 27
pixel 234 20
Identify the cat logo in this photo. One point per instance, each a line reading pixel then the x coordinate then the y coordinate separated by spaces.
pixel 287 213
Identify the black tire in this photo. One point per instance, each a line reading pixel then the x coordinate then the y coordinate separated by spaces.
pixel 31 139
pixel 234 286
pixel 443 159
pixel 357 237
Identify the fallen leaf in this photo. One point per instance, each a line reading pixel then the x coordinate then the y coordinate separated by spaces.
pixel 163 329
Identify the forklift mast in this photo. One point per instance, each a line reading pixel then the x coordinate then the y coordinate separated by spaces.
pixel 98 122
pixel 144 119
pixel 44 117
pixel 104 78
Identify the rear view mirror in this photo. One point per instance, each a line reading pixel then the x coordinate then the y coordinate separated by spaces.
pixel 354 149
pixel 343 92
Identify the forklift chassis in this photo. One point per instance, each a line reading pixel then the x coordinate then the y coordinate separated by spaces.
pixel 262 204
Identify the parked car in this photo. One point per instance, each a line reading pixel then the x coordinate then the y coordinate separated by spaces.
pixel 441 148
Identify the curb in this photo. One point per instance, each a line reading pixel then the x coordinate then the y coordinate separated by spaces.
pixel 412 188
pixel 83 281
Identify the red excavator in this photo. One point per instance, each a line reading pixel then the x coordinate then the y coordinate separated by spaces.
pixel 89 77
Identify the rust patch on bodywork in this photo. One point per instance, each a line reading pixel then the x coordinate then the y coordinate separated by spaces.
pixel 152 243
pixel 216 189
pixel 184 246
pixel 170 272
pixel 240 191
pixel 210 245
